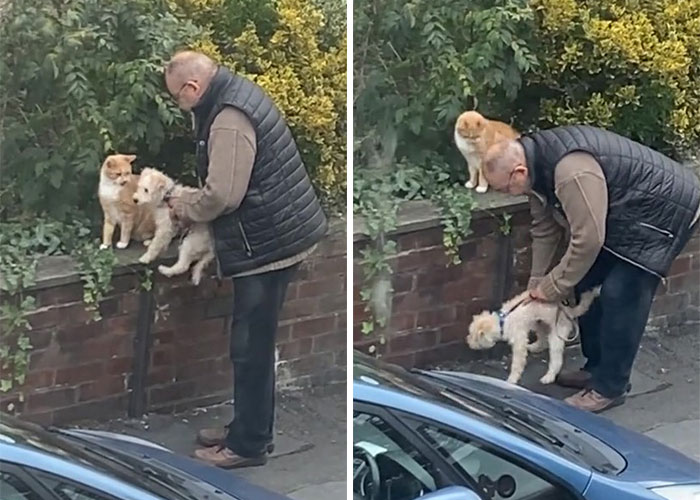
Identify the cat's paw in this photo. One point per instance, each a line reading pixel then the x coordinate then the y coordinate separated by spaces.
pixel 481 189
pixel 122 244
pixel 104 246
pixel 469 185
pixel 146 242
pixel 145 259
pixel 548 378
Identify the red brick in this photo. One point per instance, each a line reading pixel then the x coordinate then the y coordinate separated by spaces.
pixel 693 245
pixel 64 294
pixel 298 308
pixel 311 364
pixel 333 303
pixel 74 314
pixel 401 322
pixel 330 265
pixel 40 339
pixel 124 284
pixel 681 265
pixel 40 379
pixel 408 302
pixel 42 418
pixel 453 333
pixel 125 324
pixel 163 336
pixel 420 239
pixel 51 399
pixel 195 332
pixel 436 317
pixel 443 352
pixel 102 388
pixel 110 307
pixel 79 333
pixel 321 287
pixel 213 383
pixel 684 282
pixel 329 342
pixel 80 373
pixel 162 375
pixel 194 369
pixel 162 356
pixel 129 303
pixel 438 277
pixel 413 341
pixel 314 326
pixel 105 347
pixel 102 409
pixel 284 333
pixel 403 282
pixel 406 360
pixel 214 348
pixel 118 366
pixel 296 348
pixel 171 392
pixel 422 259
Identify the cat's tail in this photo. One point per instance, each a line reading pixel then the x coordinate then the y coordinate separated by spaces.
pixel 587 299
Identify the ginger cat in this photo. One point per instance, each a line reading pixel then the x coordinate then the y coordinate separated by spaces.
pixel 116 193
pixel 474 134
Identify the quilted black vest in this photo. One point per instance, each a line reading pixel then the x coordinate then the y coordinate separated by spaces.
pixel 651 198
pixel 280 215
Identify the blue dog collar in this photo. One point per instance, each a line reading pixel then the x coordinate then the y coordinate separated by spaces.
pixel 501 319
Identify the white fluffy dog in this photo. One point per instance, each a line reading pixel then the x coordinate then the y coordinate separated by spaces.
pixel 553 324
pixel 197 245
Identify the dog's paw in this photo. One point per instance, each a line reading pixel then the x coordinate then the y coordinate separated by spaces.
pixel 512 380
pixel 122 244
pixel 469 185
pixel 146 242
pixel 104 246
pixel 196 279
pixel 164 270
pixel 548 378
pixel 481 189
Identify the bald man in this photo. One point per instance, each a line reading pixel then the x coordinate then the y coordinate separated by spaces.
pixel 265 218
pixel 628 211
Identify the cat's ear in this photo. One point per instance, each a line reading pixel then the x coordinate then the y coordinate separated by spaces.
pixel 109 162
pixel 130 158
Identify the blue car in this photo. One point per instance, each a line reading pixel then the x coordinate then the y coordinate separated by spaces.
pixel 454 435
pixel 56 464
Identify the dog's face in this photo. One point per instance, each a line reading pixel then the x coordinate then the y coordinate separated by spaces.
pixel 117 168
pixel 151 187
pixel 484 331
pixel 470 125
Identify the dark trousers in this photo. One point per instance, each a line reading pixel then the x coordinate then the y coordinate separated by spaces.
pixel 612 329
pixel 257 301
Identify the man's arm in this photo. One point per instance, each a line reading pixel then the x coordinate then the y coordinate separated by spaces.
pixel 231 151
pixel 546 237
pixel 581 188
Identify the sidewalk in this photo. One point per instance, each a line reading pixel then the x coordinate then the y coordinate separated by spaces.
pixel 665 399
pixel 309 462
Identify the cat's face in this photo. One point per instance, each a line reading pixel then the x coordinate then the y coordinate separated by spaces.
pixel 470 125
pixel 117 168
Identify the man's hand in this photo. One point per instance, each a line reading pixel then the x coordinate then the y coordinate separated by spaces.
pixel 535 294
pixel 177 213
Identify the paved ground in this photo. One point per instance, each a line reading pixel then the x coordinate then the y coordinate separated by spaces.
pixel 665 399
pixel 309 462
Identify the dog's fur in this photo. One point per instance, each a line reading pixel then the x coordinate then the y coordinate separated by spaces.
pixel 474 135
pixel 115 192
pixel 196 246
pixel 552 327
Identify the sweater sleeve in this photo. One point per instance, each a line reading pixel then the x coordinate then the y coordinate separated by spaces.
pixel 232 149
pixel 546 237
pixel 581 188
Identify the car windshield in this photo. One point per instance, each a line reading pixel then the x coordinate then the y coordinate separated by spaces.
pixel 548 432
pixel 157 479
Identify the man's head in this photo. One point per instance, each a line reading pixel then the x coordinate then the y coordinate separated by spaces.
pixel 187 76
pixel 505 168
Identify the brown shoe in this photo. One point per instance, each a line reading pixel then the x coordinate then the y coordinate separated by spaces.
pixel 578 379
pixel 593 401
pixel 226 459
pixel 212 436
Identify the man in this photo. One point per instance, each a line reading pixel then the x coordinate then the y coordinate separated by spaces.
pixel 629 211
pixel 265 218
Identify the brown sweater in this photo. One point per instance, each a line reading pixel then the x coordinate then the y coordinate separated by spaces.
pixel 580 186
pixel 232 150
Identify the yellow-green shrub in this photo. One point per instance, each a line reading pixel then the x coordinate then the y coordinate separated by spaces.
pixel 285 50
pixel 632 66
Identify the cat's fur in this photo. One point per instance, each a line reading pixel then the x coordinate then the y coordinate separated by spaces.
pixel 115 192
pixel 474 134
pixel 197 244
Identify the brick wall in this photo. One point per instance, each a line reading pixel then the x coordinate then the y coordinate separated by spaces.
pixel 81 368
pixel 433 303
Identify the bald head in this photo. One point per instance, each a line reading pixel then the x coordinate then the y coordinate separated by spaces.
pixel 505 167
pixel 187 76
pixel 190 65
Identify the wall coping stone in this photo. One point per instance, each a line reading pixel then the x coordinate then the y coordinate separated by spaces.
pixel 418 215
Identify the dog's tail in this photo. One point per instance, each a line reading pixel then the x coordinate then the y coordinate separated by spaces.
pixel 587 299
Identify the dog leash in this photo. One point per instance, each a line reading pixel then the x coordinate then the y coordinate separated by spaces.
pixel 561 308
pixel 502 315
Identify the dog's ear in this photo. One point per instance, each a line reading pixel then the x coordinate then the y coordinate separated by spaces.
pixel 160 184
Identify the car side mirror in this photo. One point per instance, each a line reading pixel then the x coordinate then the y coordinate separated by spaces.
pixel 451 493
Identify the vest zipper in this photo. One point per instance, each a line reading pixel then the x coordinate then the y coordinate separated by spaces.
pixel 668 234
pixel 248 249
pixel 663 280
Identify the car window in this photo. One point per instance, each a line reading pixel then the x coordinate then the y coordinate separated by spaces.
pixel 404 472
pixel 498 478
pixel 68 490
pixel 13 488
